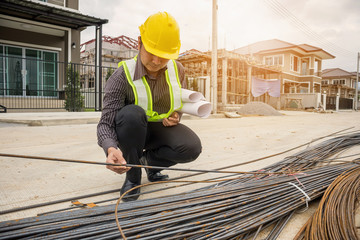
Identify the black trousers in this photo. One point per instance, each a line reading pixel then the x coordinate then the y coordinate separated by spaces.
pixel 162 146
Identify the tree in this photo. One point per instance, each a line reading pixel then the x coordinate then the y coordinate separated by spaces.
pixel 74 101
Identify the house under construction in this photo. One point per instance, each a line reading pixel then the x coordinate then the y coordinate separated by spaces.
pixel 114 50
pixel 235 74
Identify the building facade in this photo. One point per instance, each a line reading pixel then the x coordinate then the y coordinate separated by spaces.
pixel 301 65
pixel 39 40
pixel 338 82
pixel 339 87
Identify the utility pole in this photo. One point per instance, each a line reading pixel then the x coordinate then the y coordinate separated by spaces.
pixel 356 83
pixel 214 57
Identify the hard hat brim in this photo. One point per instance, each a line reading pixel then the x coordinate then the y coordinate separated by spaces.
pixel 162 54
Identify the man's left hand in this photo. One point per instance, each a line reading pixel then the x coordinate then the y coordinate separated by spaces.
pixel 173 120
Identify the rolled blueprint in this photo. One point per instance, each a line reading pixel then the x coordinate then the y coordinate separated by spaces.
pixel 191 96
pixel 201 108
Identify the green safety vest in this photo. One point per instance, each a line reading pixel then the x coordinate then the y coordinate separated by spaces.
pixel 142 92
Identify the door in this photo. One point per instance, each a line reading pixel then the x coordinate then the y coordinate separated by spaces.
pixel 28 72
pixel 13 71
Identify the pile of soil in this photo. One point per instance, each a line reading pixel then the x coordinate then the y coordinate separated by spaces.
pixel 258 108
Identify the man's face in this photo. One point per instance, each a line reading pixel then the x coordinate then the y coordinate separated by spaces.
pixel 151 62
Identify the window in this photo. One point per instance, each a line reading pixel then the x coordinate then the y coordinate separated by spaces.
pixel 304 90
pixel 324 82
pixel 278 60
pixel 273 60
pixel 295 63
pixel 269 61
pixel 339 82
pixel 28 72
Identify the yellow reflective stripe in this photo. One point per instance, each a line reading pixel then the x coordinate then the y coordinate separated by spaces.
pixel 143 98
pixel 158 117
pixel 148 94
pixel 177 98
pixel 129 79
pixel 170 91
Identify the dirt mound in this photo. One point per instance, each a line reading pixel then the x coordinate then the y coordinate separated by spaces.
pixel 258 108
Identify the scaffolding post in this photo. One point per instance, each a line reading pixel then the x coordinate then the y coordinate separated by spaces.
pixel 357 83
pixel 249 74
pixel 214 57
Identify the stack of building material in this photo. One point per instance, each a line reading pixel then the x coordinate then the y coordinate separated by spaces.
pixel 234 208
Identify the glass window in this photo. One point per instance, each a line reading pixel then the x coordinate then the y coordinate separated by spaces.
pixel 269 61
pixel 294 63
pixel 324 82
pixel 28 72
pixel 13 71
pixel 33 69
pixel 49 74
pixel 273 60
pixel 2 74
pixel 278 60
pixel 339 82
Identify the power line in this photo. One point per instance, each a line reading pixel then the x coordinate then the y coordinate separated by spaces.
pixel 279 9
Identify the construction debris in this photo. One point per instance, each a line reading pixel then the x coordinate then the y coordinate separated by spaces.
pixel 232 115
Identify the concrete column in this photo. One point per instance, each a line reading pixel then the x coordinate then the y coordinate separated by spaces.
pixel 318 100
pixel 337 102
pixel 324 101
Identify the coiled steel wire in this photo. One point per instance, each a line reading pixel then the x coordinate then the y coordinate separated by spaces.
pixel 335 216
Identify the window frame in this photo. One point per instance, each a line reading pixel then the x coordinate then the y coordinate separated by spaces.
pixel 272 59
pixel 292 63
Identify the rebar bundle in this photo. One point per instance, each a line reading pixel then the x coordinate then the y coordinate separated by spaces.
pixel 236 208
pixel 335 216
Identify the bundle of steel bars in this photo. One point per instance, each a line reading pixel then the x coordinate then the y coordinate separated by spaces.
pixel 231 209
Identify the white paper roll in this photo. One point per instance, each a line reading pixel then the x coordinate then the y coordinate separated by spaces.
pixel 191 96
pixel 201 108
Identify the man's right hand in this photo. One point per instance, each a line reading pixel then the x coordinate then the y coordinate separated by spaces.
pixel 115 156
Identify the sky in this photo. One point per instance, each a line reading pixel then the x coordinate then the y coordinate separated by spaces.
pixel 333 25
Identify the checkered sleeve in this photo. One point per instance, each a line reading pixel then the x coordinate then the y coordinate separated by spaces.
pixel 114 100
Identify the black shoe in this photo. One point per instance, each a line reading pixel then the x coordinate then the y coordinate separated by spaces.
pixel 127 186
pixel 153 175
pixel 156 176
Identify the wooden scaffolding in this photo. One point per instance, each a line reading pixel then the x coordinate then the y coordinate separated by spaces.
pixel 235 72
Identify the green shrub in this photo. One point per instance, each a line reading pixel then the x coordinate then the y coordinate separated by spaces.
pixel 74 101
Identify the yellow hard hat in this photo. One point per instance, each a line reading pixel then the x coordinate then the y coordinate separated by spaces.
pixel 160 35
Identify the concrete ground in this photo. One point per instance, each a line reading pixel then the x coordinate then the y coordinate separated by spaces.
pixel 226 141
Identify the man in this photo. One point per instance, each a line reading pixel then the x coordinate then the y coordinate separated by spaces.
pixel 140 118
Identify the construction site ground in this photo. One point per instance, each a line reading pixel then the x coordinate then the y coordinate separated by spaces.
pixel 225 141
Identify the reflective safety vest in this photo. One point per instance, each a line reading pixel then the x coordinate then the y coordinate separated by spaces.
pixel 142 92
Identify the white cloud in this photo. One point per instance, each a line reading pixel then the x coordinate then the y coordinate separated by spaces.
pixel 330 24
